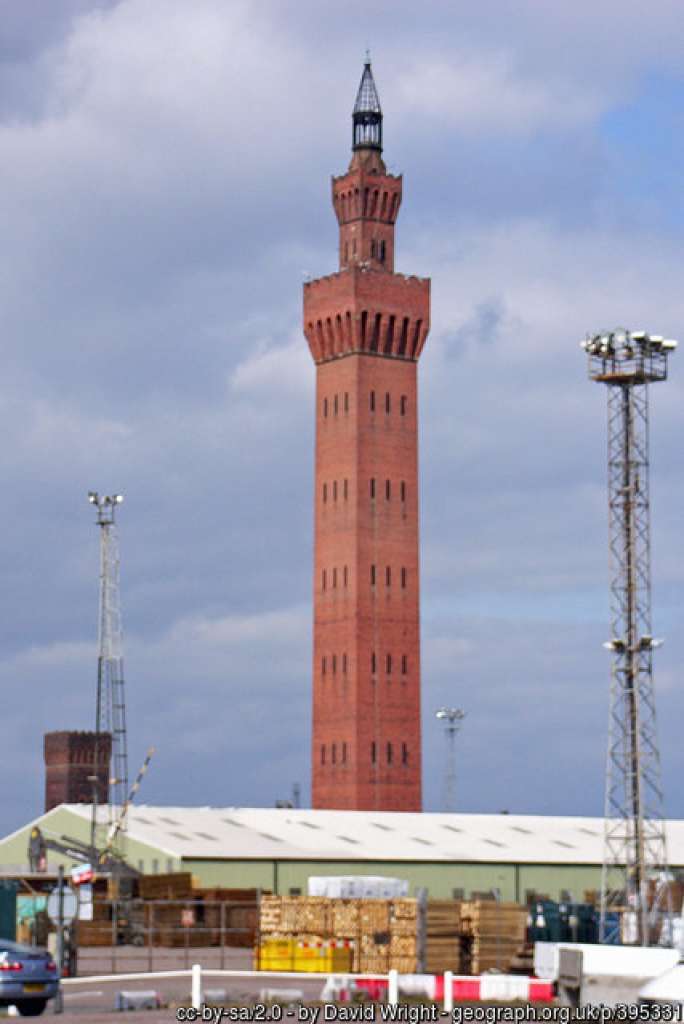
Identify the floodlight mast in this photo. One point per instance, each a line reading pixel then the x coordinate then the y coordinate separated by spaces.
pixel 110 714
pixel 453 719
pixel 635 851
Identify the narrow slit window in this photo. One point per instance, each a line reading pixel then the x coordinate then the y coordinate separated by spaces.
pixel 334 579
pixel 344 753
pixel 334 490
pixel 388 489
pixel 372 401
pixel 389 753
pixel 344 664
pixel 322 753
pixel 325 493
pixel 388 577
pixel 325 406
pixel 388 402
pixel 324 664
pixel 404 575
pixel 346 401
pixel 335 406
pixel 345 489
pixel 404 754
pixel 373 663
pixel 403 403
pixel 334 664
pixel 372 487
pixel 404 664
pixel 403 490
pixel 372 576
pixel 333 753
pixel 388 664
pixel 373 752
pixel 323 580
pixel 345 576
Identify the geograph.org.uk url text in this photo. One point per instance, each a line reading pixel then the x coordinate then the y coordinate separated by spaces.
pixel 432 1014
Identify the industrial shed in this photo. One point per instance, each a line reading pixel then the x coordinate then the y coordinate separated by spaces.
pixel 278 849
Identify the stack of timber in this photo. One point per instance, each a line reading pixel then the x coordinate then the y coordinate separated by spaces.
pixel 380 933
pixel 232 912
pixel 494 933
pixel 172 911
pixel 174 886
pixel 443 936
pixel 97 932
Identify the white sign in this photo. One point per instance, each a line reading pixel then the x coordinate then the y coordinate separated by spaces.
pixel 69 904
pixel 85 903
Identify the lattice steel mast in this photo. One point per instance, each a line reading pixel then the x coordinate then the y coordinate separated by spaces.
pixel 453 719
pixel 635 854
pixel 110 715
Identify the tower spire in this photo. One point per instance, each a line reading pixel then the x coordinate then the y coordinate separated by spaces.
pixel 367 113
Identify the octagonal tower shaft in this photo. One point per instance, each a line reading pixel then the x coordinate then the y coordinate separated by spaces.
pixel 366 327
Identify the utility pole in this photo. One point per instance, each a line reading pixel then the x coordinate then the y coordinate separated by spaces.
pixel 635 854
pixel 110 715
pixel 453 719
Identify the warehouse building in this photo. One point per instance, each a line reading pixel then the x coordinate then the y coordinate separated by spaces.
pixel 278 849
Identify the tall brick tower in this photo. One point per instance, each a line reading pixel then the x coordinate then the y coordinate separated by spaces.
pixel 72 761
pixel 366 327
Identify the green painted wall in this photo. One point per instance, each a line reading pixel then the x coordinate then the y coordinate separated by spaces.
pixel 439 879
pixel 232 874
pixel 553 879
pixel 60 822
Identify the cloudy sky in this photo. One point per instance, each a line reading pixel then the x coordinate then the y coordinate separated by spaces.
pixel 165 179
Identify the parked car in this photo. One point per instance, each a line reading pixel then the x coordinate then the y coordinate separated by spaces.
pixel 28 978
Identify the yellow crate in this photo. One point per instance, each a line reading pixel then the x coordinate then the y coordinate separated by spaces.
pixel 278 947
pixel 275 955
pixel 328 958
pixel 309 958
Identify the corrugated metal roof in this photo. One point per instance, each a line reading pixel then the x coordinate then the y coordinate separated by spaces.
pixel 249 833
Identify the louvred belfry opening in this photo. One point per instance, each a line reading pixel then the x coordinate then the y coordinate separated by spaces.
pixel 366 327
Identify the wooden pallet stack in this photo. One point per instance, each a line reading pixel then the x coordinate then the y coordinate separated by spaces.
pixel 494 932
pixel 404 935
pixel 443 936
pixel 382 933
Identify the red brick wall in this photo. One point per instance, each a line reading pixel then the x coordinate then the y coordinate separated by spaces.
pixel 69 761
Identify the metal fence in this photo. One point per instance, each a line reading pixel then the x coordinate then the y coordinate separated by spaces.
pixel 151 934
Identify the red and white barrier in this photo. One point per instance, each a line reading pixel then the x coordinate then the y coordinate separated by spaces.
pixel 486 988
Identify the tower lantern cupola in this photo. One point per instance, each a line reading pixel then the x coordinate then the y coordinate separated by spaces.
pixel 367 115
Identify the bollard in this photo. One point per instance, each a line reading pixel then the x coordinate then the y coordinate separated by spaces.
pixel 448 991
pixel 393 987
pixel 196 997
